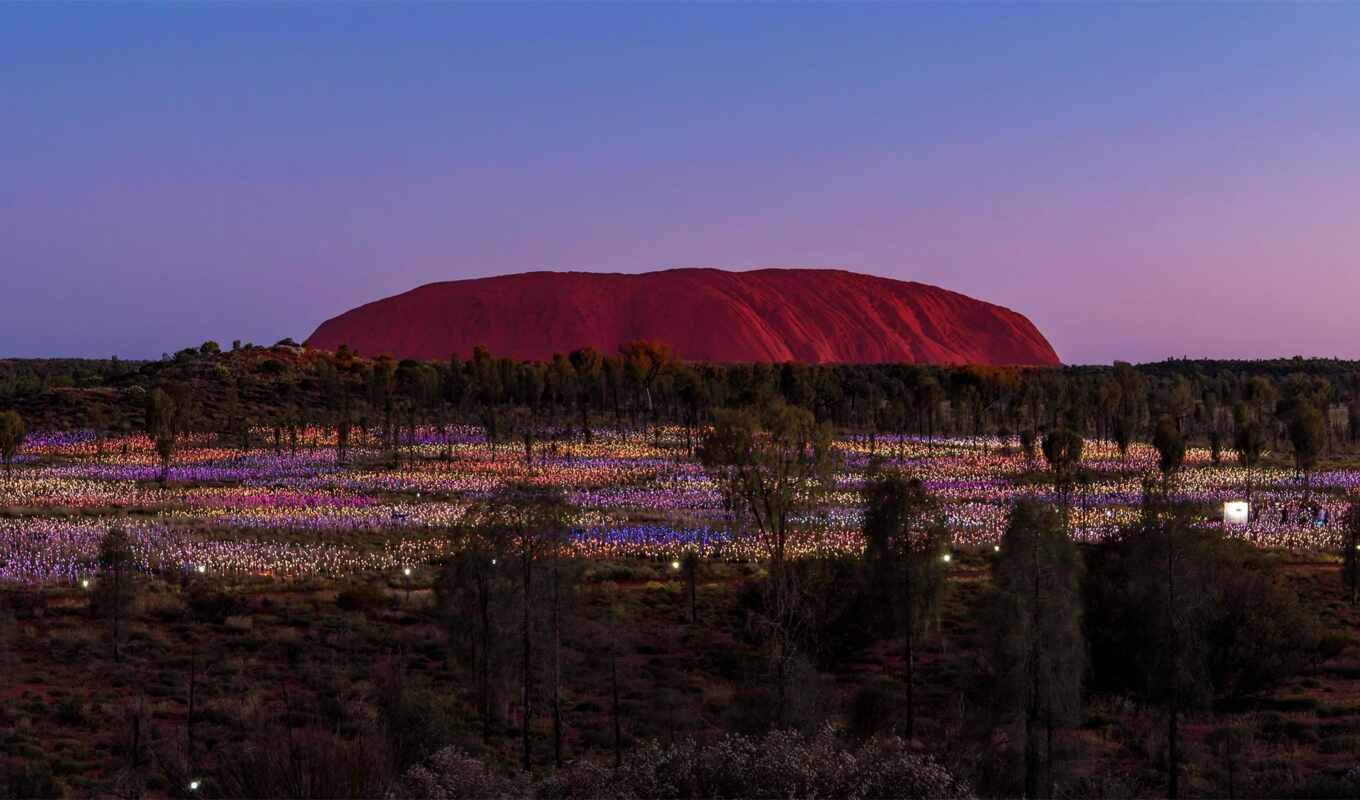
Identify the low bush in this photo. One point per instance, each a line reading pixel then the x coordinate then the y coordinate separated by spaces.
pixel 213 605
pixel 871 711
pixel 783 764
pixel 362 597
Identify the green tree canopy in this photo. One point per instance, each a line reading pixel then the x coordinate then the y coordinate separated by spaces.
pixel 775 462
pixel 12 433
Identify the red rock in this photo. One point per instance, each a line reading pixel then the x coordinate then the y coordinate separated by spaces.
pixel 809 315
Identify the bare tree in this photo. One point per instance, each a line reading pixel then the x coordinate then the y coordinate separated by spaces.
pixel 532 521
pixel 775 463
pixel 115 591
pixel 161 413
pixel 1035 623
pixel 905 545
pixel 471 592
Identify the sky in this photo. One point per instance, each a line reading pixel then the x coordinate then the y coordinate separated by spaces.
pixel 1143 181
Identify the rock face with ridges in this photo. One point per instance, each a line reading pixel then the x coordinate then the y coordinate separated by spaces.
pixel 809 315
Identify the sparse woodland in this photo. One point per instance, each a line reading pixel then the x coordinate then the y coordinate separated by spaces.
pixel 1165 656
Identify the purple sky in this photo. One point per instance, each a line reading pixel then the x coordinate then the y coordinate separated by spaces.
pixel 1142 181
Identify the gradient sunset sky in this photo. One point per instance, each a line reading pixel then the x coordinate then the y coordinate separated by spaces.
pixel 1142 181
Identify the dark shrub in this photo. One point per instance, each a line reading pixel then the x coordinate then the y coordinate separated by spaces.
pixel 362 597
pixel 213 605
pixel 871 711
pixel 1242 630
pixel 781 764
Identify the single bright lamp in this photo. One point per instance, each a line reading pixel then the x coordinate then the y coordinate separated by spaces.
pixel 1235 512
pixel 948 557
pixel 193 786
pixel 406 572
pixel 675 565
pixel 202 569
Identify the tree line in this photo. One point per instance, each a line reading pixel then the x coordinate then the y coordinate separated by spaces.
pixel 286 390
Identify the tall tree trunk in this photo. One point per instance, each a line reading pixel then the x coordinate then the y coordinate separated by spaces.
pixel 189 716
pixel 527 664
pixel 557 669
pixel 484 678
pixel 1352 557
pixel 1048 753
pixel 693 608
pixel 1032 744
pixel 117 608
pixel 1232 759
pixel 1173 751
pixel 911 681
pixel 909 610
pixel 614 690
pixel 781 682
pixel 1032 712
